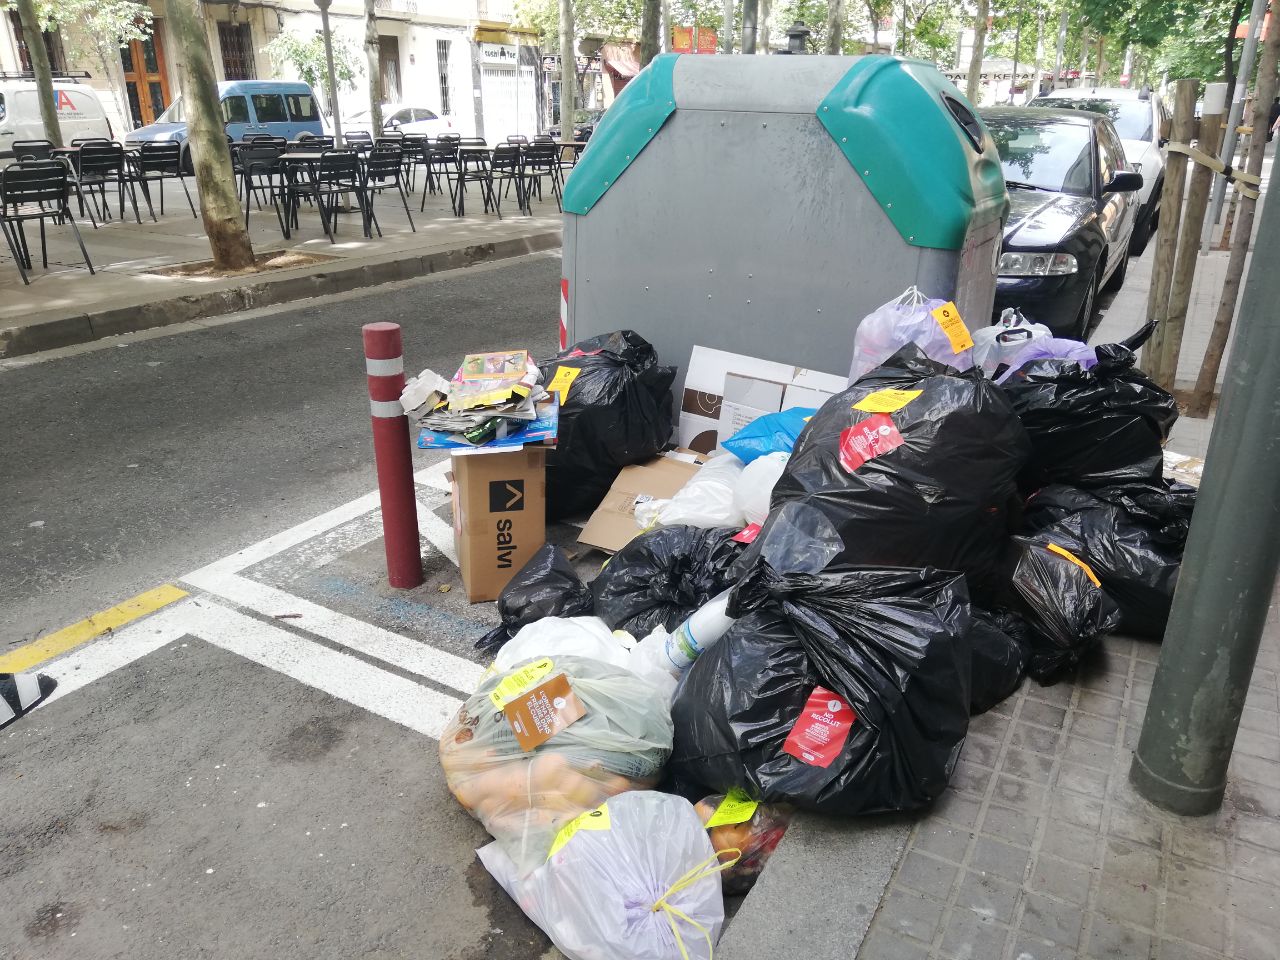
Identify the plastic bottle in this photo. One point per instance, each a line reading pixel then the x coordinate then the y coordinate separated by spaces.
pixel 704 627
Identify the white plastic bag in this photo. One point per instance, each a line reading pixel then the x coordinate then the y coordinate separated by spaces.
pixel 908 319
pixel 705 501
pixel 562 636
pixel 755 486
pixel 1001 342
pixel 636 879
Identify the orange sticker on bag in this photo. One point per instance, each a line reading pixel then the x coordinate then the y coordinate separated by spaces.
pixel 1068 555
pixel 948 317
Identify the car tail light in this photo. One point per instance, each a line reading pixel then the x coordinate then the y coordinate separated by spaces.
pixel 1036 264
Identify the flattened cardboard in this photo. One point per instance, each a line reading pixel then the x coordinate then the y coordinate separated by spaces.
pixel 499 516
pixel 613 525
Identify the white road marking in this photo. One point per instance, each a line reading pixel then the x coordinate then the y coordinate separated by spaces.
pixel 434 530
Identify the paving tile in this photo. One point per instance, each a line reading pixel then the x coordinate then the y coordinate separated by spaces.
pixel 1106 939
pixel 1128 901
pixel 942 839
pixel 924 874
pixel 956 808
pixel 1265 772
pixel 980 749
pixel 882 945
pixel 1178 950
pixel 971 779
pixel 1082 779
pixel 990 898
pixel 1140 691
pixel 1012 826
pixel 910 913
pixel 1111 684
pixel 1260 698
pixel 1144 670
pixel 1050 920
pixel 1030 948
pixel 1019 794
pixel 1198 845
pixel 968 936
pixel 1253 798
pixel 1188 879
pixel 1043 714
pixel 1262 833
pixel 1135 827
pixel 1100 756
pixel 1255 901
pixel 1095 728
pixel 1059 695
pixel 1100 704
pixel 1070 842
pixel 999 859
pixel 1132 732
pixel 1131 861
pixel 1026 736
pixel 1195 922
pixel 1254 941
pixel 1260 721
pixel 990 724
pixel 1058 878
pixel 1035 767
pixel 1077 808
pixel 1256 744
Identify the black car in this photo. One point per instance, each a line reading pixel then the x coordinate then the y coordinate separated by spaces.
pixel 1072 207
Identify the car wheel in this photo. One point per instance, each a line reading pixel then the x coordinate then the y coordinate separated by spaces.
pixel 1085 318
pixel 1116 280
pixel 1145 228
pixel 187 167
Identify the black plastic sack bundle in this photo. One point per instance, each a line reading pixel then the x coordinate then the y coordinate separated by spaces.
pixel 663 575
pixel 546 586
pixel 914 465
pixel 615 410
pixel 1091 428
pixel 845 692
pixel 1063 602
pixel 1131 537
pixel 1000 646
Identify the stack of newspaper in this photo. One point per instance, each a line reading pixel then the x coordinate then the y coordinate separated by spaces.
pixel 491 395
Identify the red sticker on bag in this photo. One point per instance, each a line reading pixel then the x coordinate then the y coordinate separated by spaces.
pixel 746 534
pixel 867 440
pixel 819 735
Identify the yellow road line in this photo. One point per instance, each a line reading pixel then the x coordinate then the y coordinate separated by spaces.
pixel 55 644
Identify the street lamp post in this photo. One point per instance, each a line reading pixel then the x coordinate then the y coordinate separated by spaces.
pixel 330 81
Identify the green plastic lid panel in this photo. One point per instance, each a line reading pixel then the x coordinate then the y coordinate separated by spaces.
pixel 892 121
pixel 636 116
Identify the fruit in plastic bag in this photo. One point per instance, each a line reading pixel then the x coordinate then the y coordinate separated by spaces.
pixel 524 798
pixel 1063 603
pixel 737 823
pixel 844 692
pixel 546 586
pixel 914 465
pixel 615 410
pixel 634 880
pixel 662 576
pixel 755 486
pixel 1091 427
pixel 1000 654
pixel 771 433
pixel 706 500
pixel 909 319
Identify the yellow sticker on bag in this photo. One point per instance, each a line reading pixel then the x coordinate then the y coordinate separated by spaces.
pixel 561 382
pixel 518 681
pixel 1088 571
pixel 948 317
pixel 597 819
pixel 886 401
pixel 736 807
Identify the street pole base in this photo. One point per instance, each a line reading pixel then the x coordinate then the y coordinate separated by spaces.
pixel 1174 797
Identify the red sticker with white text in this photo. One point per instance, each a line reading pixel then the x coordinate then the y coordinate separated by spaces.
pixel 746 534
pixel 867 440
pixel 819 735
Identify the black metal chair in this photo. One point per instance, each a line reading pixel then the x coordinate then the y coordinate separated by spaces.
pixel 414 155
pixel 33 149
pixel 544 138
pixel 101 162
pixel 540 164
pixel 279 142
pixel 260 178
pixel 336 174
pixel 35 190
pixel 470 166
pixel 384 169
pixel 472 142
pixel 519 139
pixel 156 163
pixel 441 160
pixel 505 168
pixel 360 140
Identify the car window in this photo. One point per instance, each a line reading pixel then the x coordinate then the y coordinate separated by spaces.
pixel 4 110
pixel 1111 153
pixel 302 107
pixel 269 107
pixel 1047 154
pixel 404 115
pixel 235 110
pixel 173 114
pixel 1132 118
pixel 421 113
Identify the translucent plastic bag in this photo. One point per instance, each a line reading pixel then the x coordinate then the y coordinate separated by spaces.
pixel 755 486
pixel 996 346
pixel 737 823
pixel 636 879
pixel 557 637
pixel 524 798
pixel 706 500
pixel 908 319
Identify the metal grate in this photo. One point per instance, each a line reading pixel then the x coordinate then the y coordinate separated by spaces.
pixel 237 51
pixel 442 62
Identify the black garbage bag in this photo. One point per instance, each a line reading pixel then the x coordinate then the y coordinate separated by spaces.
pixel 928 481
pixel 845 692
pixel 1131 537
pixel 1091 428
pixel 546 586
pixel 1000 646
pixel 615 411
pixel 1063 602
pixel 663 575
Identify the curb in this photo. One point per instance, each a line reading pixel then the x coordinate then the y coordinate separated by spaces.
pixel 87 327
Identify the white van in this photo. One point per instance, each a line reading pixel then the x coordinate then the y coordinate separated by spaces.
pixel 80 113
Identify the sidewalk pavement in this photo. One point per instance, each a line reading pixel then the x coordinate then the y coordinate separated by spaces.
pixel 65 305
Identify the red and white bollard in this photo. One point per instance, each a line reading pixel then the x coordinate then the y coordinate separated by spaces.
pixel 384 365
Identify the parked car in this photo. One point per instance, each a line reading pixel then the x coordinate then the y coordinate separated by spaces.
pixel 1142 120
pixel 281 108
pixel 584 125
pixel 80 112
pixel 401 118
pixel 1072 205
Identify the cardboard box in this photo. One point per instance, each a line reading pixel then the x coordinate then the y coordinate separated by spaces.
pixel 613 525
pixel 499 515
pixel 723 392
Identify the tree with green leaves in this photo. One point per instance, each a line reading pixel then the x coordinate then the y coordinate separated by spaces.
pixel 376 93
pixel 32 30
pixel 650 24
pixel 306 56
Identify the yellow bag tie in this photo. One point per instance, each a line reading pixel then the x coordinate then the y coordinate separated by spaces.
pixel 707 868
pixel 1239 177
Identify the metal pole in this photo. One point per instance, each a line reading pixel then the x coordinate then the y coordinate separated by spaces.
pixel 1237 104
pixel 329 72
pixel 384 367
pixel 1228 571
pixel 1017 39
pixel 1057 56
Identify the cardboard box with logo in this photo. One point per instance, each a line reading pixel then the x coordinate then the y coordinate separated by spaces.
pixel 613 525
pixel 499 515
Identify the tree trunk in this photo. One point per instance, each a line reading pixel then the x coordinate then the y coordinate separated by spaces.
pixel 1102 59
pixel 835 27
pixel 874 15
pixel 726 26
pixel 1084 55
pixel 219 203
pixel 1207 380
pixel 762 28
pixel 1229 51
pixel 34 38
pixel 749 10
pixel 973 84
pixel 650 16
pixel 371 47
pixel 568 70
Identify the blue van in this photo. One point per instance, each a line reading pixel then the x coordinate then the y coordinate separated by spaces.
pixel 280 108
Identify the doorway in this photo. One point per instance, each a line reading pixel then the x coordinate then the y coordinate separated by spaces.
pixel 389 68
pixel 146 80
